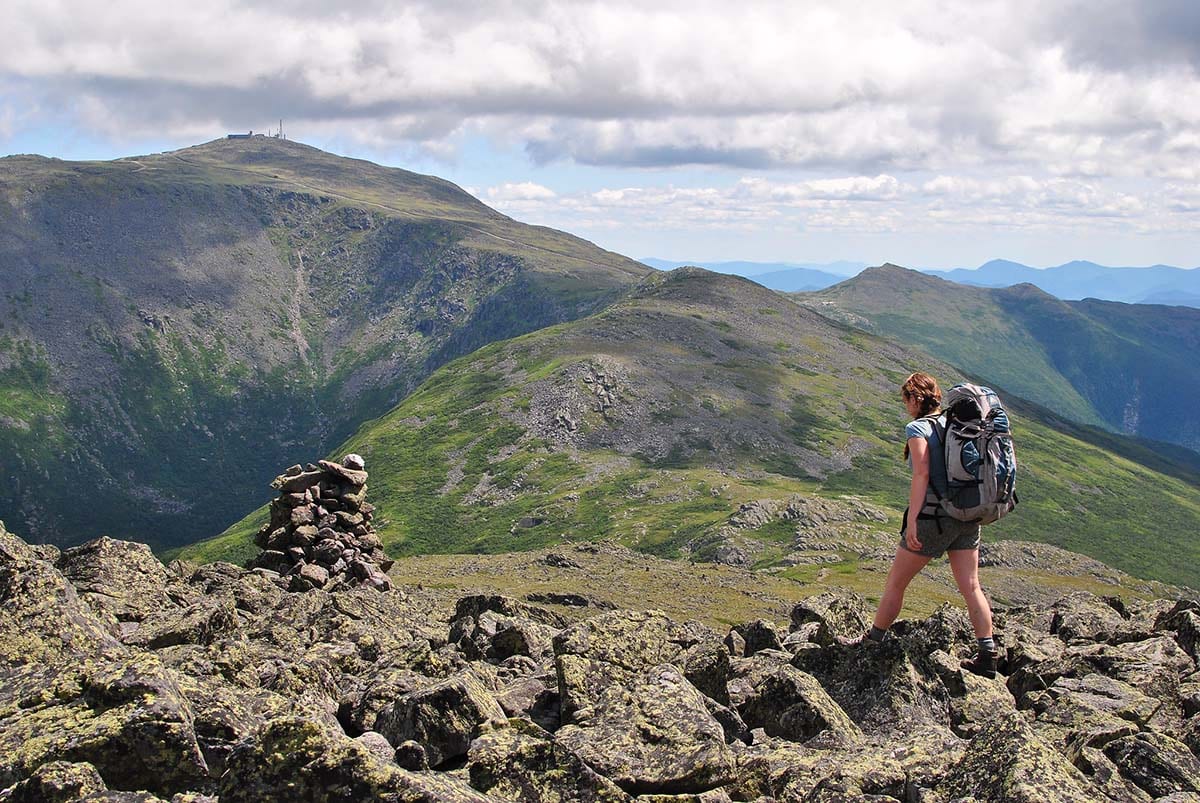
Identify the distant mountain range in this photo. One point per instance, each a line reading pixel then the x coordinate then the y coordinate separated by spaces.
pixel 177 328
pixel 1130 368
pixel 784 276
pixel 841 268
pixel 1159 284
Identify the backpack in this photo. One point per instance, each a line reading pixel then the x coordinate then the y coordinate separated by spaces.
pixel 972 463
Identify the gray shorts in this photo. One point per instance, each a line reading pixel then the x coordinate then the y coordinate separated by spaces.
pixel 954 534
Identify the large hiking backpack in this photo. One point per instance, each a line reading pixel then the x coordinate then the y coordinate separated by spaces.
pixel 974 472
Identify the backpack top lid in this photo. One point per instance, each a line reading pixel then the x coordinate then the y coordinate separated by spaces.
pixel 967 402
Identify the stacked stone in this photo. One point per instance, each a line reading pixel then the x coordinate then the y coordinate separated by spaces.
pixel 320 533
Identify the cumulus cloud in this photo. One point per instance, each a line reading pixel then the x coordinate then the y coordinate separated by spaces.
pixel 860 204
pixel 850 188
pixel 522 191
pixel 1107 86
pixel 1130 35
pixel 1056 115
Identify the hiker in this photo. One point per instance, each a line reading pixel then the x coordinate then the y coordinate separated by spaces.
pixel 927 532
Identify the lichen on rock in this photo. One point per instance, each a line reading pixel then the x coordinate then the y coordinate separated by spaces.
pixel 208 684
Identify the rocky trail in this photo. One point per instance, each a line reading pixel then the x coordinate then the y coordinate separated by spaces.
pixel 127 680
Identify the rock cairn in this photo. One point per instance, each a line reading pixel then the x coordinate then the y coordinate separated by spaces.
pixel 320 533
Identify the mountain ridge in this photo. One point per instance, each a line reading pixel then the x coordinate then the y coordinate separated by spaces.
pixel 231 304
pixel 1103 363
pixel 1078 279
pixel 655 421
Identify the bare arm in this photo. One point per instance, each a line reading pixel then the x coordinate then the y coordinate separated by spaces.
pixel 918 449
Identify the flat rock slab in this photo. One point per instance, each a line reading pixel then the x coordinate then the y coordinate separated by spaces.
pixel 353 476
pixel 297 483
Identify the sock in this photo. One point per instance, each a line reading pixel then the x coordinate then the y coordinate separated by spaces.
pixel 875 634
pixel 987 644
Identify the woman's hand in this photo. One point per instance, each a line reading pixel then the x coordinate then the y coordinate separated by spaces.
pixel 910 536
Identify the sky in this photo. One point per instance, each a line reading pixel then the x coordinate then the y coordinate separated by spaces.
pixel 928 133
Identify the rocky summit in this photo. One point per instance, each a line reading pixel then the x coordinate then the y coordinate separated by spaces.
pixel 122 679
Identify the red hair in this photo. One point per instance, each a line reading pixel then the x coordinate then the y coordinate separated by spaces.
pixel 924 388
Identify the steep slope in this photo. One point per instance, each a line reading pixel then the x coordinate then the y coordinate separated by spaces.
pixel 657 419
pixel 1127 367
pixel 174 327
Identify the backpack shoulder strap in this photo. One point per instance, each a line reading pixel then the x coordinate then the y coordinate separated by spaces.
pixel 937 429
pixel 937 454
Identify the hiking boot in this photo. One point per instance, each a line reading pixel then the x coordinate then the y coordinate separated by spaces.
pixel 865 638
pixel 984 663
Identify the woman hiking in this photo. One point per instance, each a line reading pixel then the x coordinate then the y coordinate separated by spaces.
pixel 926 534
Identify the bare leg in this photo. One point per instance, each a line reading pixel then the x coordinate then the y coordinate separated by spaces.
pixel 904 568
pixel 965 565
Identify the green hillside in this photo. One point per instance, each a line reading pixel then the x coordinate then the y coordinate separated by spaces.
pixel 1126 367
pixel 652 421
pixel 174 327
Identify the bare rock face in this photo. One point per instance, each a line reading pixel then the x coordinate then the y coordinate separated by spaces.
pixel 792 705
pixel 495 628
pixel 119 710
pixel 1184 619
pixel 1085 618
pixel 320 533
pixel 118 578
pixel 629 710
pixel 831 615
pixel 758 635
pixel 1158 764
pixel 59 782
pixel 896 684
pixel 653 734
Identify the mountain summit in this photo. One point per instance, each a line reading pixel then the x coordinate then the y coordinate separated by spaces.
pixel 174 327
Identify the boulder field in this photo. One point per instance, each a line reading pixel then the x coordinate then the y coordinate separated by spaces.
pixel 125 680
